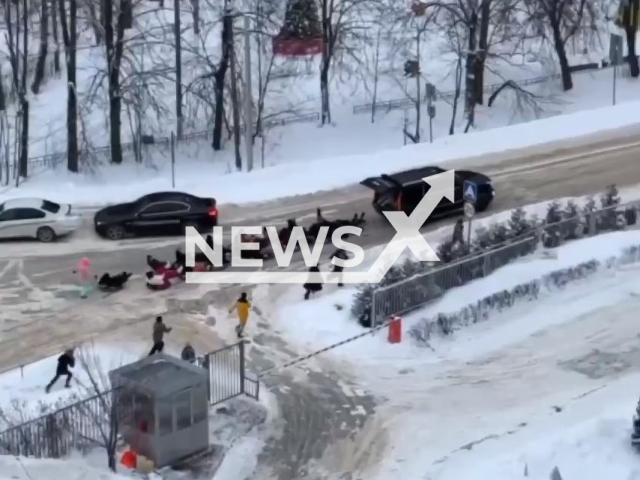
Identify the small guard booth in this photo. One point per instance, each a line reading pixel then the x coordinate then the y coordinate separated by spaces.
pixel 162 407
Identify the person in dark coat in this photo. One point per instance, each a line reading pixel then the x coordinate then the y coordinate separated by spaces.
pixel 159 329
pixel 312 287
pixel 458 232
pixel 188 353
pixel 341 254
pixel 65 361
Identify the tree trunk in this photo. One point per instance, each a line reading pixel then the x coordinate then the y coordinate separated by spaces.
pixel 24 133
pixel 416 136
pixel 470 69
pixel 178 49
pixel 561 52
pixel 69 36
pixel 324 91
pixel 95 22
pixel 483 47
pixel 630 22
pixel 44 47
pixel 219 77
pixel 195 6
pixel 235 107
pixel 54 25
pixel 325 65
pixel 456 96
pixel 114 48
pixel 3 105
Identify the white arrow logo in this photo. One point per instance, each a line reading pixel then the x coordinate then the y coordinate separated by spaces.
pixel 407 235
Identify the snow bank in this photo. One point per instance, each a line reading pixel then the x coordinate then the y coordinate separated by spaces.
pixel 20 468
pixel 326 320
pixel 204 177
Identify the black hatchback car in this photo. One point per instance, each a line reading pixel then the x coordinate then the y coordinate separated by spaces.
pixel 163 213
pixel 403 191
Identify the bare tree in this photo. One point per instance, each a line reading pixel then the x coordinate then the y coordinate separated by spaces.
pixel 343 22
pixel 44 47
pixel 195 9
pixel 17 23
pixel 235 104
pixel 220 75
pixel 558 21
pixel 114 44
pixel 177 33
pixel 56 41
pixel 91 12
pixel 105 418
pixel 69 36
pixel 408 31
pixel 629 10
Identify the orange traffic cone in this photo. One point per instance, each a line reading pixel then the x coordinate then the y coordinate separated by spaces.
pixel 129 459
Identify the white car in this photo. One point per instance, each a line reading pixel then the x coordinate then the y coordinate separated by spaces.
pixel 36 218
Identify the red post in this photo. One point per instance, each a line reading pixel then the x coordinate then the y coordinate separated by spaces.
pixel 395 329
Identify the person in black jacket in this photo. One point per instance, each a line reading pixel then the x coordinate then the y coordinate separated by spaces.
pixel 188 353
pixel 65 361
pixel 312 288
pixel 341 254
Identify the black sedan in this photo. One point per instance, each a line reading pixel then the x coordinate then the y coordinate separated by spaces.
pixel 163 213
pixel 403 191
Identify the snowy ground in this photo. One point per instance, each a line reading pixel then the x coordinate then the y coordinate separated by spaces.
pixel 342 155
pixel 550 383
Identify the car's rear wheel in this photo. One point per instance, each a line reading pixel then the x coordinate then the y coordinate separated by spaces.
pixel 46 234
pixel 115 232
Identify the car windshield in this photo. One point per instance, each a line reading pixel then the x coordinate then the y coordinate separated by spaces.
pixel 1 207
pixel 51 207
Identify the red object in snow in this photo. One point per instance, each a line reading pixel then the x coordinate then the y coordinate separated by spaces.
pixel 129 459
pixel 296 47
pixel 395 329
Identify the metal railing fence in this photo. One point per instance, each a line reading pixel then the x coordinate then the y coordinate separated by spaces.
pixel 416 291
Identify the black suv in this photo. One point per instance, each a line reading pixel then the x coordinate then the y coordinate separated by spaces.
pixel 403 191
pixel 163 213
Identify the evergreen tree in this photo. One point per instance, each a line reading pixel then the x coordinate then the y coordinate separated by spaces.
pixel 499 234
pixel 445 251
pixel 551 236
pixel 609 200
pixel 518 223
pixel 571 228
pixel 301 20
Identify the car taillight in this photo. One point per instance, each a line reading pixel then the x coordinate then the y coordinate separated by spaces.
pixel 212 211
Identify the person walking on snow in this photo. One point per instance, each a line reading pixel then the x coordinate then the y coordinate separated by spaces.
pixel 65 361
pixel 310 287
pixel 242 306
pixel 342 255
pixel 159 329
pixel 83 271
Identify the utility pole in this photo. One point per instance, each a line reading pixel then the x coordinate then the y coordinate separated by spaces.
pixel 248 100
